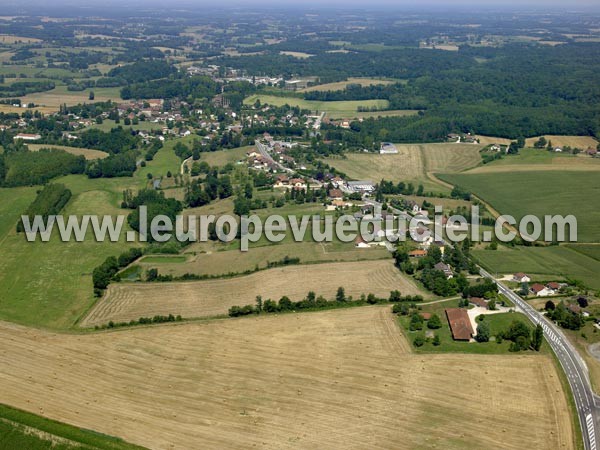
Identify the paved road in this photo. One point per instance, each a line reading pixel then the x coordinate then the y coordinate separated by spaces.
pixel 264 151
pixel 575 368
pixel 586 402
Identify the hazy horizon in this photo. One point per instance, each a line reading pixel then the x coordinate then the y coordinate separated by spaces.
pixel 39 7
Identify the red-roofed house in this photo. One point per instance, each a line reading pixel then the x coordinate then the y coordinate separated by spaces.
pixel 540 290
pixel 27 137
pixel 478 301
pixel 335 193
pixel 521 277
pixel 460 325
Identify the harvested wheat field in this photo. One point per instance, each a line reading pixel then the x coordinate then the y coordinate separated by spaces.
pixel 489 140
pixel 582 142
pixel 411 162
pixel 334 379
pixel 88 153
pixel 127 301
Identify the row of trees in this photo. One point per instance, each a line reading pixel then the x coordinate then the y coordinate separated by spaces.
pixel 49 201
pixel 311 301
pixel 105 272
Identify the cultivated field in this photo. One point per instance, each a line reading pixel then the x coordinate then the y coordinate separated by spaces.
pixel 222 157
pixel 56 287
pixel 412 163
pixel 582 142
pixel 210 259
pixel 543 263
pixel 340 85
pixel 299 55
pixel 88 153
pixel 530 159
pixel 12 39
pixel 127 301
pixel 339 109
pixel 335 379
pixel 60 95
pixel 488 140
pixel 540 193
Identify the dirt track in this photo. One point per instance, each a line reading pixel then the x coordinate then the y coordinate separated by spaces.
pixel 335 379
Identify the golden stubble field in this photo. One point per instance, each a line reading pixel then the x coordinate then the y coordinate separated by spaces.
pixel 412 162
pixel 207 298
pixel 88 153
pixel 335 379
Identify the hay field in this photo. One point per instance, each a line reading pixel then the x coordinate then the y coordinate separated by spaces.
pixel 8 109
pixel 127 301
pixel 335 379
pixel 340 85
pixel 582 142
pixel 488 140
pixel 12 39
pixel 88 153
pixel 412 163
pixel 60 95
pixel 530 159
pixel 223 157
pixel 336 109
pixel 299 55
pixel 204 258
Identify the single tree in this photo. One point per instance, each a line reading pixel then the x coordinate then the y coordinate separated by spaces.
pixel 434 322
pixel 483 331
pixel 538 337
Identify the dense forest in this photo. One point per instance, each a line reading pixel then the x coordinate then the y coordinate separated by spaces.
pixel 174 87
pixel 25 168
pixel 516 90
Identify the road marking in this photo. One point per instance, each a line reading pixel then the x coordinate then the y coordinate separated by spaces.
pixel 573 365
pixel 589 421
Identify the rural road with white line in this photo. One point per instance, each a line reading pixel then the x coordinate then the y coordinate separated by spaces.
pixel 575 368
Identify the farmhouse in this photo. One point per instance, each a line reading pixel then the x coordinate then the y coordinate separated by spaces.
pixel 282 180
pixel 553 285
pixel 336 194
pixel 520 277
pixel 460 325
pixel 444 268
pixel 27 137
pixel 339 203
pixel 363 187
pixel 361 243
pixel 540 290
pixel 478 301
pixel 413 207
pixel 387 148
pixel 297 183
pixel 417 254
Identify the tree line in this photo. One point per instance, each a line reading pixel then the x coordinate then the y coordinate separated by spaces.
pixel 49 201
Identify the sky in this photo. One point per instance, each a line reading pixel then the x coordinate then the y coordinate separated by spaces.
pixel 93 7
pixel 412 4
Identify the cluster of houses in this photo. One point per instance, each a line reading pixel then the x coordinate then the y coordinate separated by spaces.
pixel 462 138
pixel 538 289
